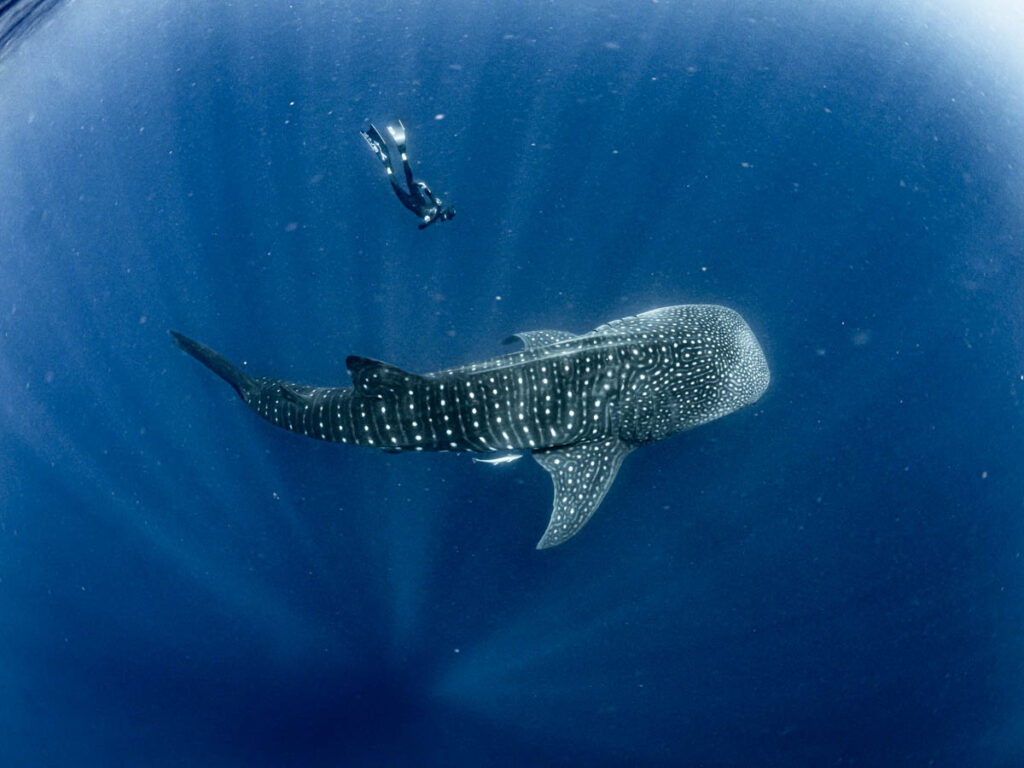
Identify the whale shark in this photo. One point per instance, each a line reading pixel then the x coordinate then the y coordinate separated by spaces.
pixel 579 404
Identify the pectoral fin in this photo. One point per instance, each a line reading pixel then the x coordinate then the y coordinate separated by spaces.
pixel 582 475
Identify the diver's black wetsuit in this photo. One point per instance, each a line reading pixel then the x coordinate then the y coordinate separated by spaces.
pixel 418 198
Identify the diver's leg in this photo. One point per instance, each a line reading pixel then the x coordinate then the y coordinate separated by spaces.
pixel 380 148
pixel 402 194
pixel 398 134
pixel 406 199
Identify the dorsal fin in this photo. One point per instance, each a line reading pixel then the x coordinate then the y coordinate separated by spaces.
pixel 582 474
pixel 289 392
pixel 644 320
pixel 373 378
pixel 535 339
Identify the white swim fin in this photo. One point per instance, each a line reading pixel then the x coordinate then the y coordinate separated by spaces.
pixel 398 134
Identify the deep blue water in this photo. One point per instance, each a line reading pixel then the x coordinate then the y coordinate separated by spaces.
pixel 832 577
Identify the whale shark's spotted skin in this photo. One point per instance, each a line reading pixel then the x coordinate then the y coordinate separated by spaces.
pixel 579 404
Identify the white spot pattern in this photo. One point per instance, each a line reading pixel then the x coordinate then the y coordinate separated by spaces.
pixel 581 403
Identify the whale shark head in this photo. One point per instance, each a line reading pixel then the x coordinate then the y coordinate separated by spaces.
pixel 747 375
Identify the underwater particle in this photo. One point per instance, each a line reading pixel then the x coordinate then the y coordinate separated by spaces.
pixel 439 116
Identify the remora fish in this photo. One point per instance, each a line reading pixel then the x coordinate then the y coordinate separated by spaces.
pixel 579 404
pixel 497 460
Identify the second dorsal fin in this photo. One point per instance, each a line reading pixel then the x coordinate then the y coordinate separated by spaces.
pixel 373 378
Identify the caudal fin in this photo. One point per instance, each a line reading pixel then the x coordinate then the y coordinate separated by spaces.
pixel 243 384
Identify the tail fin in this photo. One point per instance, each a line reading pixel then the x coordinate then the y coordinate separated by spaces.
pixel 243 384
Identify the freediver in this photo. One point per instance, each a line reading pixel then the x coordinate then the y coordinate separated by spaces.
pixel 418 199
